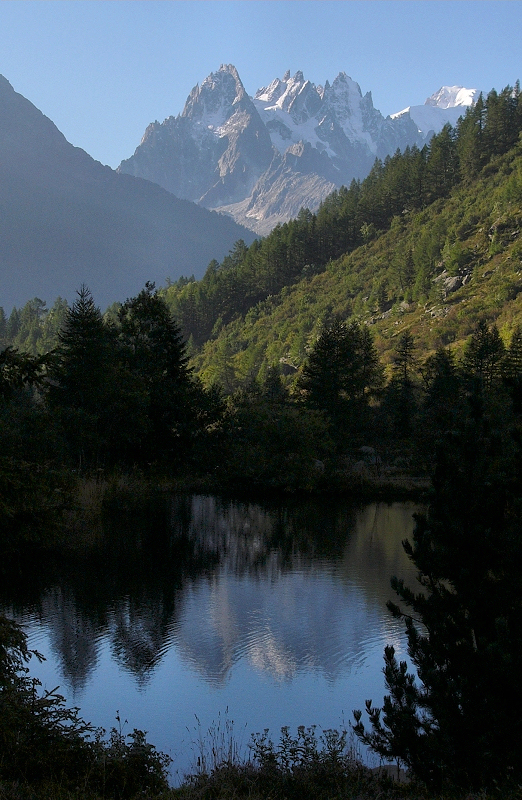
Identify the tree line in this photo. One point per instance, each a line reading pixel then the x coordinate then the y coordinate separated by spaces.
pixel 123 393
pixel 350 217
pixel 118 391
pixel 401 185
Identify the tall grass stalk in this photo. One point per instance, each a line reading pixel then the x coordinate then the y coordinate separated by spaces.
pixel 218 746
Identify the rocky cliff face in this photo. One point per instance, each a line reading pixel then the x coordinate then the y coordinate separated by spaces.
pixel 262 159
pixel 214 152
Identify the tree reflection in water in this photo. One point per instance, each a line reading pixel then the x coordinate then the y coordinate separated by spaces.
pixel 235 596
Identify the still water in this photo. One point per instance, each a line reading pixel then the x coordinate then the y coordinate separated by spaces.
pixel 199 611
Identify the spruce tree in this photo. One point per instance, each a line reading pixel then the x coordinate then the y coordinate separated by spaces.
pixel 3 327
pixel 483 356
pixel 153 350
pixel 442 403
pixel 100 404
pixel 83 356
pixel 512 369
pixel 342 374
pixel 400 402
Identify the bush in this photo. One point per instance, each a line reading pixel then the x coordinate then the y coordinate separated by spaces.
pixel 42 741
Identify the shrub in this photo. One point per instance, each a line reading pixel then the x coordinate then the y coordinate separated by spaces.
pixel 42 741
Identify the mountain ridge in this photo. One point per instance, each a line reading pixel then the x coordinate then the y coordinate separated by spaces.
pixel 66 219
pixel 228 151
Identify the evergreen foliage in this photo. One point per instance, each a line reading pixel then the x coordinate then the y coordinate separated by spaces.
pixel 400 398
pixel 456 724
pixel 297 330
pixel 350 217
pixel 274 443
pixel 83 389
pixel 153 352
pixel 443 401
pixel 123 390
pixel 484 355
pixel 44 742
pixel 342 374
pixel 33 492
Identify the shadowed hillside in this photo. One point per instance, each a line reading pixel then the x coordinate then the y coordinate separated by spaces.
pixel 66 220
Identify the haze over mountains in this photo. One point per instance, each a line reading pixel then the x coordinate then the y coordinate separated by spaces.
pixel 262 158
pixel 66 220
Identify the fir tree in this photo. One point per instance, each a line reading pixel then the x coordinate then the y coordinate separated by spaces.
pixel 400 402
pixel 100 404
pixel 512 369
pixel 153 350
pixel 484 356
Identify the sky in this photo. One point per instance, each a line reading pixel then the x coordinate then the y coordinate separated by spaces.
pixel 102 70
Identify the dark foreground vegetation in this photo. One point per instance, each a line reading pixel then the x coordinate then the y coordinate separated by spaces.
pixel 109 398
pixel 48 752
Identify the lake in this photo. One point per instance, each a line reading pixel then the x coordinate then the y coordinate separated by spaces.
pixel 199 613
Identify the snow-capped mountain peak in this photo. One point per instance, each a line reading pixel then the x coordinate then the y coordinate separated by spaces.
pixel 293 95
pixel 452 97
pixel 213 102
pixel 444 106
pixel 261 159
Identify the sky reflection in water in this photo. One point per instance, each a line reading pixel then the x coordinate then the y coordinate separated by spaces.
pixel 276 613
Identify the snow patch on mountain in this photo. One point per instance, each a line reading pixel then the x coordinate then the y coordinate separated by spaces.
pixel 453 96
pixel 445 106
pixel 262 159
pixel 294 110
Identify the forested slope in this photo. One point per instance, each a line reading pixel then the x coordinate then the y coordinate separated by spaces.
pixel 426 253
pixel 430 241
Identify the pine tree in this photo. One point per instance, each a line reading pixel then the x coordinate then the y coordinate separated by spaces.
pixel 458 722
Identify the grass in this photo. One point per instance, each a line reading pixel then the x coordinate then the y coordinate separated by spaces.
pixel 311 764
pixel 308 765
pixel 96 494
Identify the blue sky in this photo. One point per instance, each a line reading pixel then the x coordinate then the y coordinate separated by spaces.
pixel 103 69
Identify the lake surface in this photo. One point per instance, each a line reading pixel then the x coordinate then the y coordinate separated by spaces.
pixel 198 613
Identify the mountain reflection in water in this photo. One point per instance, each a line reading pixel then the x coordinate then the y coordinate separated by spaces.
pixel 197 603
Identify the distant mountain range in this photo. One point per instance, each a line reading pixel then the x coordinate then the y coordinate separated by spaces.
pixel 66 220
pixel 262 158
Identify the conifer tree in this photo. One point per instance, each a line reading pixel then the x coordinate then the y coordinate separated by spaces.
pixel 342 372
pixel 457 722
pixel 13 326
pixel 99 403
pixel 85 349
pixel 3 327
pixel 512 369
pixel 153 350
pixel 484 356
pixel 400 395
